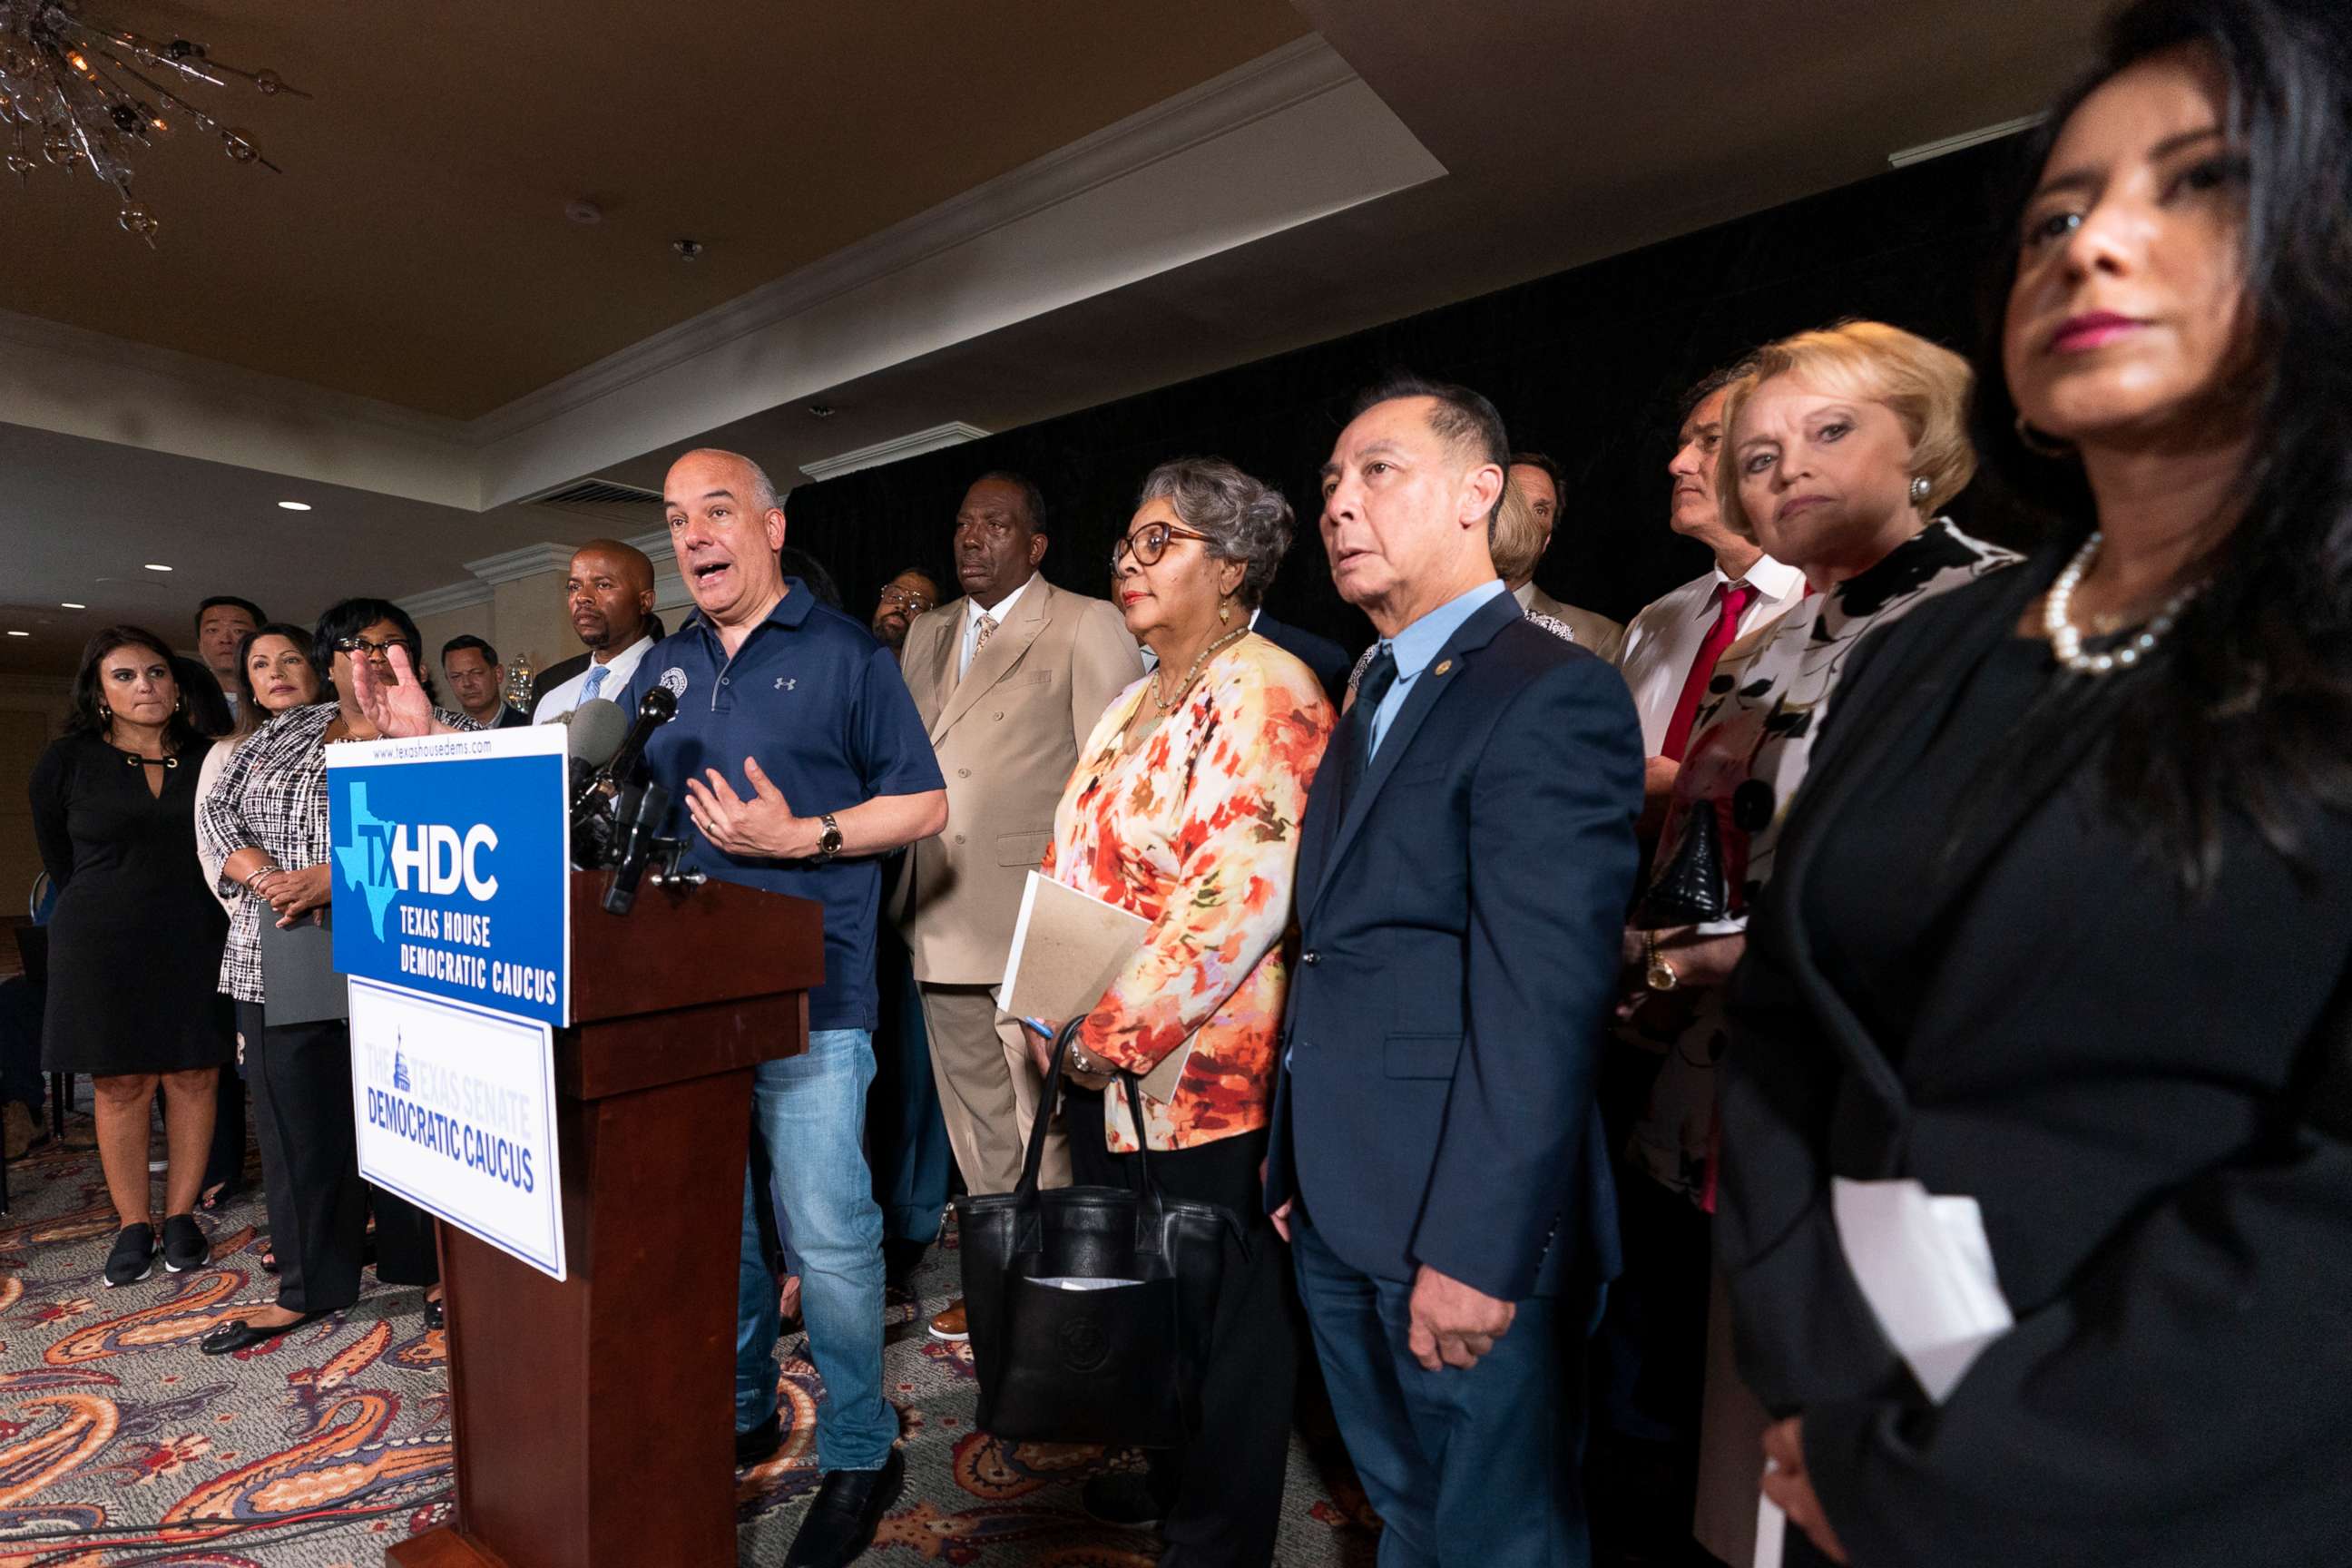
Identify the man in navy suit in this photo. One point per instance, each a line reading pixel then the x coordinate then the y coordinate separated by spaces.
pixel 1464 865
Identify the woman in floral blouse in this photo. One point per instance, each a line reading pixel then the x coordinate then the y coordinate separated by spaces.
pixel 1184 809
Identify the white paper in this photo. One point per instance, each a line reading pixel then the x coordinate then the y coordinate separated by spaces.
pixel 1926 1268
pixel 1076 1282
pixel 1771 1528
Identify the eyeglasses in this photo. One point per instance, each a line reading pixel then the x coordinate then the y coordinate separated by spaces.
pixel 375 649
pixel 1149 542
pixel 907 599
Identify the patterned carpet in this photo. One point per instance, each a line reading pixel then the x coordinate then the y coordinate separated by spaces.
pixel 120 1443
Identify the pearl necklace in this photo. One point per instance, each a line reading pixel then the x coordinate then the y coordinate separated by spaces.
pixel 2066 643
pixel 1226 641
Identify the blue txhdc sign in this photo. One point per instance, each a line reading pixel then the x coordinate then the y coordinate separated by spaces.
pixel 450 867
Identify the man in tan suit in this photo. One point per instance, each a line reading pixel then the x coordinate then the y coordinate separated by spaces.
pixel 1537 477
pixel 1010 679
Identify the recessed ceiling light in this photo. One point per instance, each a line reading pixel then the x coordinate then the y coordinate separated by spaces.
pixel 294 506
pixel 70 605
pixel 20 633
pixel 153 566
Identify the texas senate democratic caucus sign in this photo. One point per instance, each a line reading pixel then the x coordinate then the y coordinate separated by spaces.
pixel 450 866
pixel 456 1114
pixel 452 922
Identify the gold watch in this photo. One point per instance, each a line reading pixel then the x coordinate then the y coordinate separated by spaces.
pixel 1658 972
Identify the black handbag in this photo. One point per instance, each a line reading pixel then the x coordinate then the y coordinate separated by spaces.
pixel 1090 1307
pixel 1689 888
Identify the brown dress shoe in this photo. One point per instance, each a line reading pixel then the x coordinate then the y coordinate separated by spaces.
pixel 950 1324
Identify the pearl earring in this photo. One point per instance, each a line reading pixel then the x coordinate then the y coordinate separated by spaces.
pixel 1920 486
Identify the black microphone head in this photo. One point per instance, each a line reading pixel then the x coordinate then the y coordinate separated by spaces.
pixel 660 704
pixel 598 727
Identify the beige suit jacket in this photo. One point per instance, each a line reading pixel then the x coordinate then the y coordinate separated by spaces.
pixel 1602 635
pixel 1007 736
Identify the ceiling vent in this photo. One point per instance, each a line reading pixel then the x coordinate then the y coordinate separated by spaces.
pixel 598 492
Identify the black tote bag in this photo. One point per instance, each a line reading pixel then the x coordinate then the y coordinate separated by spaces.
pixel 1090 1307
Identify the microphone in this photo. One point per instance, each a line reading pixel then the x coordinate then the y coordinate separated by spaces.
pixel 637 815
pixel 657 708
pixel 597 728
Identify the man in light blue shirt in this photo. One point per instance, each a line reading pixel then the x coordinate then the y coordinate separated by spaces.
pixel 1465 862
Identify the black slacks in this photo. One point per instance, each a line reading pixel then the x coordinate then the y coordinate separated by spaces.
pixel 1222 1490
pixel 300 1075
pixel 225 1167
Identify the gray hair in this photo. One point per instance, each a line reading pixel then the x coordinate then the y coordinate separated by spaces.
pixel 763 498
pixel 1241 519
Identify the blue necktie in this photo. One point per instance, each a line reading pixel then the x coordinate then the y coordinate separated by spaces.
pixel 597 674
pixel 1357 731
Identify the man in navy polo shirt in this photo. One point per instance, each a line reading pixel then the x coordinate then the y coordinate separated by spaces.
pixel 799 758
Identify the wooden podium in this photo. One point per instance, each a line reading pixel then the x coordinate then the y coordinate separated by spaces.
pixel 595 1419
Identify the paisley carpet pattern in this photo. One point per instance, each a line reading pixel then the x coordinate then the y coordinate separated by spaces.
pixel 121 1444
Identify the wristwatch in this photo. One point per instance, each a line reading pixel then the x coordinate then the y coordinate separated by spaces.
pixel 828 842
pixel 1657 973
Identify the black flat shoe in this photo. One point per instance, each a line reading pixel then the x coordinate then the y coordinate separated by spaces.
pixel 185 1246
pixel 237 1334
pixel 758 1445
pixel 848 1509
pixel 133 1258
pixel 436 1316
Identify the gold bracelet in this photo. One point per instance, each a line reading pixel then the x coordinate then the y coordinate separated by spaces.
pixel 1658 972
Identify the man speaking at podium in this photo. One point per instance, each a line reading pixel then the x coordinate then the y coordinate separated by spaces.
pixel 799 758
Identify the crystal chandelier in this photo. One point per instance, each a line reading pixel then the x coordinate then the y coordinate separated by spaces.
pixel 83 91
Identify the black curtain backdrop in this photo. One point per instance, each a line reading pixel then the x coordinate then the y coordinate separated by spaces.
pixel 1587 365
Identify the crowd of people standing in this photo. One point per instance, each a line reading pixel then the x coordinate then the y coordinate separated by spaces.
pixel 1540 986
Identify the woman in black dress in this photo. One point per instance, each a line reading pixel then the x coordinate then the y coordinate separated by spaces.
pixel 135 945
pixel 2061 929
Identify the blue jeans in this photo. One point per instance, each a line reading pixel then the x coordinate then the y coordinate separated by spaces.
pixel 1465 1467
pixel 809 1111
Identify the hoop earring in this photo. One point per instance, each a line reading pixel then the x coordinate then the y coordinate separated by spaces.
pixel 2041 446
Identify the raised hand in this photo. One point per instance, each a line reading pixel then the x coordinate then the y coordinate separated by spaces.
pixel 393 707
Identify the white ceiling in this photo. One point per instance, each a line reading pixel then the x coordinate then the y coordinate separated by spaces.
pixel 1559 132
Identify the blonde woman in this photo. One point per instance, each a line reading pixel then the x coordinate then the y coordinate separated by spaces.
pixel 1841 447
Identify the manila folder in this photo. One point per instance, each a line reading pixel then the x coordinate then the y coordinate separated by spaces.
pixel 1067 947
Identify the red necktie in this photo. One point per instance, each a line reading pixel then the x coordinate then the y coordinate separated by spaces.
pixel 1734 598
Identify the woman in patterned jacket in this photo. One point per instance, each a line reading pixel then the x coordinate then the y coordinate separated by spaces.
pixel 1184 809
pixel 264 827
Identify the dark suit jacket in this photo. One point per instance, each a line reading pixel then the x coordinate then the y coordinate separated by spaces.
pixel 553 675
pixel 1327 658
pixel 2125 1079
pixel 1460 923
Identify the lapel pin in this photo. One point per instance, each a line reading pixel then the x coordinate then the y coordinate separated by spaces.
pixel 1445 665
